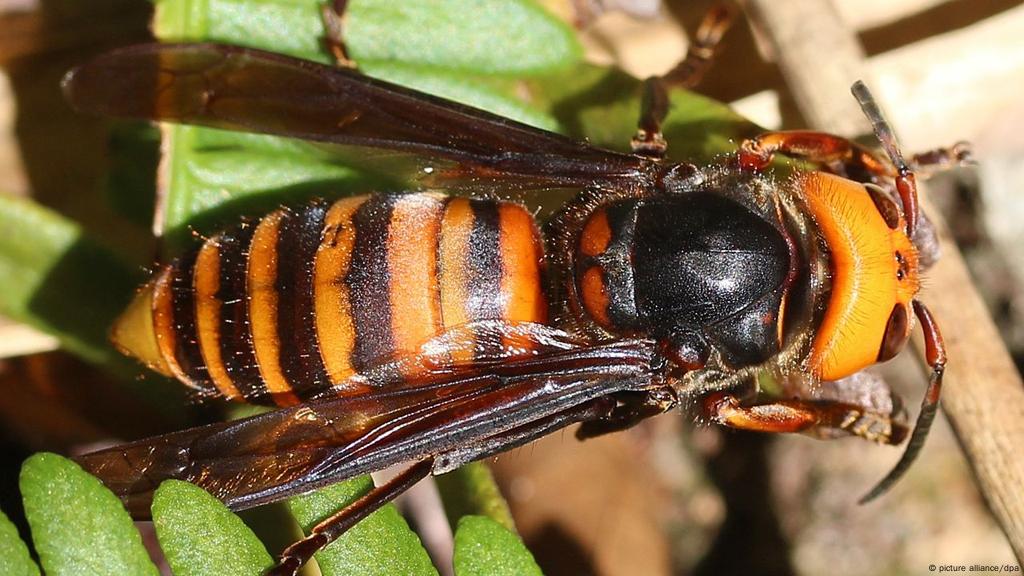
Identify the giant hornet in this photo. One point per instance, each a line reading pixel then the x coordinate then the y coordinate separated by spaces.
pixel 436 329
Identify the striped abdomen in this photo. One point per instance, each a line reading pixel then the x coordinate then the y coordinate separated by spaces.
pixel 298 302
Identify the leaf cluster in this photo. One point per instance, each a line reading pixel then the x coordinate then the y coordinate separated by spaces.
pixel 80 527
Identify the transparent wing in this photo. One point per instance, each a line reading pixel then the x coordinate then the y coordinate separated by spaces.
pixel 250 90
pixel 285 452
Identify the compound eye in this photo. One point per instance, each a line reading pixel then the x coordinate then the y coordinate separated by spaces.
pixel 886 206
pixel 901 266
pixel 896 333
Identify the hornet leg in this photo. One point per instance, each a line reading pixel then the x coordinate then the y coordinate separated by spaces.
pixel 649 140
pixel 333 16
pixel 826 417
pixel 295 556
pixel 834 154
pixel 629 410
pixel 850 160
pixel 940 159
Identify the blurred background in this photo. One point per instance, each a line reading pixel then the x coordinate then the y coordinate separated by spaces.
pixel 667 497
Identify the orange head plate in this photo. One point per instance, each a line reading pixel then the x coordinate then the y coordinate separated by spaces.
pixel 874 276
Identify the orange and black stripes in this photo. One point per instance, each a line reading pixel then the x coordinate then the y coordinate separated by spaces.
pixel 262 289
pixel 369 283
pixel 333 318
pixel 303 300
pixel 207 306
pixel 453 268
pixel 413 272
pixel 236 345
pixel 521 272
pixel 490 266
pixel 483 288
pixel 182 321
pixel 297 244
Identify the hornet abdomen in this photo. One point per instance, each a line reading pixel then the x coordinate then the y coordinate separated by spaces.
pixel 298 302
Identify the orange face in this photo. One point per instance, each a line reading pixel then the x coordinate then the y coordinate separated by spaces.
pixel 874 276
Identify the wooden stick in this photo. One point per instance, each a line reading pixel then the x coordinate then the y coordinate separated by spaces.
pixel 816 53
pixel 984 395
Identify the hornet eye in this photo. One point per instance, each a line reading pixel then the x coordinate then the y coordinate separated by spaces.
pixel 885 205
pixel 896 333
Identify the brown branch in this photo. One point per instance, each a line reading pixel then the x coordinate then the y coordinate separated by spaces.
pixel 984 395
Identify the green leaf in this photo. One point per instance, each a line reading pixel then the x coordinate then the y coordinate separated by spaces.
pixel 290 27
pixel 55 278
pixel 382 544
pixel 78 526
pixel 486 36
pixel 512 37
pixel 602 106
pixel 484 547
pixel 200 536
pixel 216 175
pixel 14 556
pixel 471 490
pixel 134 155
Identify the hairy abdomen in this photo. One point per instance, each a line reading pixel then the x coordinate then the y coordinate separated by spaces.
pixel 305 299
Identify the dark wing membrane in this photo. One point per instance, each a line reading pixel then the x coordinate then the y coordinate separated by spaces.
pixel 271 456
pixel 250 90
